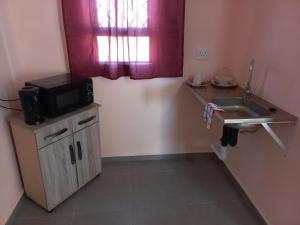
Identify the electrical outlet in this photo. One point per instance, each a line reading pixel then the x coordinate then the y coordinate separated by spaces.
pixel 202 53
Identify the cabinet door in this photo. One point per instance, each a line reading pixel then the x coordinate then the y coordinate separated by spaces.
pixel 87 144
pixel 58 165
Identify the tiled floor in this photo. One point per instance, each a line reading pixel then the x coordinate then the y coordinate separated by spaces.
pixel 193 191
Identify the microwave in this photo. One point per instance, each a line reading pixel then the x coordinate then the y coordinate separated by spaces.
pixel 62 94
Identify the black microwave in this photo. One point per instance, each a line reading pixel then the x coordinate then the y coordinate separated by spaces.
pixel 63 93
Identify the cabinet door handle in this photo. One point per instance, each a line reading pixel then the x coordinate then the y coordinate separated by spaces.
pixel 79 150
pixel 72 154
pixel 86 120
pixel 58 133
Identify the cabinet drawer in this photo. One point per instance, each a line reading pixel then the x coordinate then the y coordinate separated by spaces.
pixel 85 119
pixel 53 133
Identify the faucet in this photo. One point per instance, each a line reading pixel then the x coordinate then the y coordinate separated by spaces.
pixel 248 89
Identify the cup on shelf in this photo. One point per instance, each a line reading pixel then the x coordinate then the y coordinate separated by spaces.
pixel 224 79
pixel 198 79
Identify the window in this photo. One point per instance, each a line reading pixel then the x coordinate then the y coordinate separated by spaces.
pixel 140 39
pixel 123 31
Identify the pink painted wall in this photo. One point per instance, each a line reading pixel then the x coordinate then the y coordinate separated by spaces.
pixel 29 48
pixel 269 31
pixel 159 116
pixel 10 185
pixel 138 117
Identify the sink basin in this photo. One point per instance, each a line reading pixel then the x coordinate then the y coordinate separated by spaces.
pixel 241 108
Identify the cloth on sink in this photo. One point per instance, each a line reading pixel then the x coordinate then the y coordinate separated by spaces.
pixel 208 113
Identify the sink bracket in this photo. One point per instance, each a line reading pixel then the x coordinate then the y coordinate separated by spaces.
pixel 276 138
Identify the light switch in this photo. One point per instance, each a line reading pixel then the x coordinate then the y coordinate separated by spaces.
pixel 202 53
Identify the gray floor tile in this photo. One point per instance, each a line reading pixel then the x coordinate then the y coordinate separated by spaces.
pixel 103 204
pixel 170 165
pixel 188 164
pixel 198 188
pixel 204 162
pixel 104 194
pixel 105 185
pixel 29 209
pixel 52 220
pixel 163 192
pixel 160 217
pixel 110 218
pixel 115 168
pixel 150 166
pixel 198 165
pixel 159 190
pixel 222 213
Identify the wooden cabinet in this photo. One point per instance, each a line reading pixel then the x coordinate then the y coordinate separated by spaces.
pixel 88 165
pixel 58 171
pixel 58 157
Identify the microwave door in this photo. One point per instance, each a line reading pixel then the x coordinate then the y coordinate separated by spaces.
pixel 67 100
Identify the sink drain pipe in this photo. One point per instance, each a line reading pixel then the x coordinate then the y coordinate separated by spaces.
pixel 229 137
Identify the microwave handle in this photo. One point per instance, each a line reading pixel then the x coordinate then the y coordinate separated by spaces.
pixel 86 120
pixel 58 133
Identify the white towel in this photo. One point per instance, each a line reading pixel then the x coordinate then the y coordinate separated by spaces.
pixel 210 108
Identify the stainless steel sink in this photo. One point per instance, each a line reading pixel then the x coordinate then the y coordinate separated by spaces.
pixel 241 108
pixel 242 111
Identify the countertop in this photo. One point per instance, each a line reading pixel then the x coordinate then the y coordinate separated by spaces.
pixel 208 93
pixel 19 119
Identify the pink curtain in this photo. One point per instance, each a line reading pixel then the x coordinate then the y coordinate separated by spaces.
pixel 141 39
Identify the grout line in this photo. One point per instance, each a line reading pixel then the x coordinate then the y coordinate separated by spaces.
pixel 156 157
pixel 215 202
pixel 73 212
pixel 131 203
pixel 39 217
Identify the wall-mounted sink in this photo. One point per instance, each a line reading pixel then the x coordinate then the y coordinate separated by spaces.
pixel 240 111
pixel 240 107
pixel 244 110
